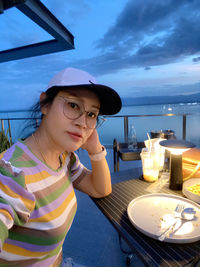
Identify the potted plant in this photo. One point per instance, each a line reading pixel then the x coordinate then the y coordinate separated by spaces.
pixel 5 143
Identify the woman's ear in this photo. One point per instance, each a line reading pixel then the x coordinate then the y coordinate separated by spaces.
pixel 44 107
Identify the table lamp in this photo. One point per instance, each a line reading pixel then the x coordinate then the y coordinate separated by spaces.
pixel 176 148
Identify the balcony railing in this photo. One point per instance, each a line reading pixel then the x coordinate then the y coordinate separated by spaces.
pixel 126 121
pixel 8 127
pixel 125 118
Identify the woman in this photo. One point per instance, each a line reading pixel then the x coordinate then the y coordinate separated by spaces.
pixel 38 175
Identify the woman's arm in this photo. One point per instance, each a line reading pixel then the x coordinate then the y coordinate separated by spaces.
pixel 96 183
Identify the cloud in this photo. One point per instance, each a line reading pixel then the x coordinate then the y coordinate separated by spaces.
pixel 145 34
pixel 138 19
pixel 196 59
pixel 148 33
pixel 168 90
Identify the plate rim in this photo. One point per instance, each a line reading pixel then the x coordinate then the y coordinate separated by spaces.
pixel 170 240
pixel 189 194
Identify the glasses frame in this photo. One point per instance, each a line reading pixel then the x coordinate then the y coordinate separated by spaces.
pixel 99 121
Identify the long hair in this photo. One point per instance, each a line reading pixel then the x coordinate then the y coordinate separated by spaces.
pixel 36 115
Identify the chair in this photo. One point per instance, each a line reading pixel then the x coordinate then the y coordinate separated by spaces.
pixel 123 152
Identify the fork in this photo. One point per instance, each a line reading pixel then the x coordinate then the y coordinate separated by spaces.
pixel 177 214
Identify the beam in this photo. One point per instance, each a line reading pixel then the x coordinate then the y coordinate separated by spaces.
pixel 1 6
pixel 37 12
pixel 5 4
pixel 31 50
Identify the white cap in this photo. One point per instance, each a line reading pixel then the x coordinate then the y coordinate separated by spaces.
pixel 71 76
pixel 110 102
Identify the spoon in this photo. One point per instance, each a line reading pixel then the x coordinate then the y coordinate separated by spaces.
pixel 187 214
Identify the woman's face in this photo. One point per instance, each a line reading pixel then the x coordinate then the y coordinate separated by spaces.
pixel 69 134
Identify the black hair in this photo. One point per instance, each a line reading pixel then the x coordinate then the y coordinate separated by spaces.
pixel 36 115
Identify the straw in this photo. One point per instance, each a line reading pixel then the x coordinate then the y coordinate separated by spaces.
pixel 150 142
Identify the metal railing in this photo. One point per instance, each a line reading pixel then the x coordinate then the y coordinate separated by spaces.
pixel 9 125
pixel 126 122
pixel 9 128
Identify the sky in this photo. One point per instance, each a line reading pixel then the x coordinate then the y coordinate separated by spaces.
pixel 138 47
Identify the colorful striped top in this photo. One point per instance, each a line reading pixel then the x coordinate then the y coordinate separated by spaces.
pixel 37 207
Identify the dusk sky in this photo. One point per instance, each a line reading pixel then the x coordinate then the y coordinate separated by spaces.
pixel 138 47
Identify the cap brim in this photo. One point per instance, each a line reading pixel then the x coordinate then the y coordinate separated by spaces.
pixel 109 99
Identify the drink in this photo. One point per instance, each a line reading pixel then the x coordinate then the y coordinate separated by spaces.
pixel 150 166
pixel 150 175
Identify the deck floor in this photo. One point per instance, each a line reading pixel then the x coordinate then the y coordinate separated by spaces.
pixel 92 241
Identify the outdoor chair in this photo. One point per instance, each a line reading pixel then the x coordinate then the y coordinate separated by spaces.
pixel 123 152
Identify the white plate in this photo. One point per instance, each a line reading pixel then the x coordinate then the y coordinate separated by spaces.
pixel 151 213
pixel 189 194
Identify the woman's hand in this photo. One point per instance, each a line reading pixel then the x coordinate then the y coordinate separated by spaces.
pixel 96 183
pixel 93 145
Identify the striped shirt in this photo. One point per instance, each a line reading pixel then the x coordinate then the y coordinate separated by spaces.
pixel 37 207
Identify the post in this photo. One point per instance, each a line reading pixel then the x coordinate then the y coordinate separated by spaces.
pixel 184 127
pixel 2 125
pixel 126 129
pixel 9 129
pixel 36 123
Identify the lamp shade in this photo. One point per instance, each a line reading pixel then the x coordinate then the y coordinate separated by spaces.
pixel 176 144
pixel 176 147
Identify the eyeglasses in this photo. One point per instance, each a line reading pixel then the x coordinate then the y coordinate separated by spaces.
pixel 72 109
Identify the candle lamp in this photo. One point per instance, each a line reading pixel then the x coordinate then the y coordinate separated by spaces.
pixel 176 148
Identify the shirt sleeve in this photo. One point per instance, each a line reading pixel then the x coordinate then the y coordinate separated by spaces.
pixel 16 203
pixel 77 170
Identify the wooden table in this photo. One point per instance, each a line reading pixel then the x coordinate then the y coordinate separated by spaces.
pixel 152 252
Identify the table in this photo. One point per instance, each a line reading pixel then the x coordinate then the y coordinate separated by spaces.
pixel 152 252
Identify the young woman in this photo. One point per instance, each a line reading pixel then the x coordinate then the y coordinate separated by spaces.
pixel 38 175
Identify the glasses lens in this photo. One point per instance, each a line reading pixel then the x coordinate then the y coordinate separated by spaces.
pixel 71 109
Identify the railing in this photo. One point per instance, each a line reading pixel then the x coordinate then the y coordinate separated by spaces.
pixel 126 119
pixel 9 125
pixel 126 122
pixel 9 128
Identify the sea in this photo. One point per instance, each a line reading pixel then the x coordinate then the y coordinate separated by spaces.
pixel 142 118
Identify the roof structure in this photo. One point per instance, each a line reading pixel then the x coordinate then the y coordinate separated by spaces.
pixel 37 12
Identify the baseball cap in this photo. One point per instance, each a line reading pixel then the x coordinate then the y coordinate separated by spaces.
pixel 110 101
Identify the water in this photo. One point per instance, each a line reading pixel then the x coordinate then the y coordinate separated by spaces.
pixel 114 126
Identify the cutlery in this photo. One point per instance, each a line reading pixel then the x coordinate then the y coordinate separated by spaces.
pixel 188 214
pixel 177 214
pixel 181 213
